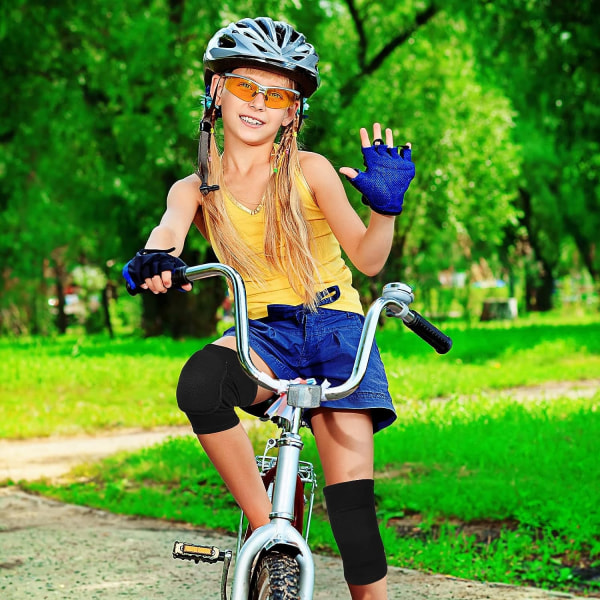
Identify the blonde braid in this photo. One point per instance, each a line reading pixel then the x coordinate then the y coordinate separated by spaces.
pixel 293 230
pixel 288 242
pixel 226 241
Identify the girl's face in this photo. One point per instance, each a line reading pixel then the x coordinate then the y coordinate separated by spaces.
pixel 251 118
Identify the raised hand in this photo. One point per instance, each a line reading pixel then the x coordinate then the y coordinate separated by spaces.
pixel 389 171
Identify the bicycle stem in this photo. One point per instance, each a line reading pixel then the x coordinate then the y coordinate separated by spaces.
pixel 290 445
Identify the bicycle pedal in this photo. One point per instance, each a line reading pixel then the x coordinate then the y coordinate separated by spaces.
pixel 198 553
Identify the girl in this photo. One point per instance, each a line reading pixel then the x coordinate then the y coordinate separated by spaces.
pixel 280 217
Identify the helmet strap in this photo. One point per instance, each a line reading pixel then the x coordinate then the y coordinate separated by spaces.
pixel 301 115
pixel 211 113
pixel 204 155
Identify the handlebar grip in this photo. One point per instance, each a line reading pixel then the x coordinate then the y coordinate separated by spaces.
pixel 178 277
pixel 439 341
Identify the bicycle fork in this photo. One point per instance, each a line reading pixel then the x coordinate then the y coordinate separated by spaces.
pixel 278 534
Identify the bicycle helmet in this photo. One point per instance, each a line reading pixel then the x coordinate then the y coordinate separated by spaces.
pixel 264 44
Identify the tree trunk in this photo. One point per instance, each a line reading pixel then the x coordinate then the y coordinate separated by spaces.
pixel 588 252
pixel 545 289
pixel 178 314
pixel 59 278
pixel 539 283
pixel 106 295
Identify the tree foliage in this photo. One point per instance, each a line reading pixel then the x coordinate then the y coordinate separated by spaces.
pixel 545 57
pixel 416 71
pixel 101 101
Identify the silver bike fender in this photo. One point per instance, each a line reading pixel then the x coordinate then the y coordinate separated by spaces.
pixel 265 538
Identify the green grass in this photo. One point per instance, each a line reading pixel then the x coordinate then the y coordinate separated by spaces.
pixel 530 467
pixel 84 384
pixel 490 357
pixel 478 485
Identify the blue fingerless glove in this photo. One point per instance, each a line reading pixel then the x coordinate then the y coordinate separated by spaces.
pixel 387 177
pixel 146 264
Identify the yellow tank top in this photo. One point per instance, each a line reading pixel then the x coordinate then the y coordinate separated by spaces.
pixel 276 288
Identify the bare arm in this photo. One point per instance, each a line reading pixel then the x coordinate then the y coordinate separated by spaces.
pixel 182 203
pixel 368 247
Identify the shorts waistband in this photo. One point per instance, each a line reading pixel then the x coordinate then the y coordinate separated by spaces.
pixel 277 312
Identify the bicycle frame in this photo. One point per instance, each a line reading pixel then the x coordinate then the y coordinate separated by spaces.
pixel 279 533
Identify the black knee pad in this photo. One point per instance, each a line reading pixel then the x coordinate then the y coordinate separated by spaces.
pixel 351 509
pixel 211 384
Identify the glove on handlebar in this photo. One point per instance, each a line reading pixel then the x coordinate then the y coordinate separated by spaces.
pixel 387 177
pixel 146 264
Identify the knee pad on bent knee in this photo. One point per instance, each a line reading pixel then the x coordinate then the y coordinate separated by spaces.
pixel 351 509
pixel 211 384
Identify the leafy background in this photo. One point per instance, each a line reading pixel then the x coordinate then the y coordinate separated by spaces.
pixel 100 107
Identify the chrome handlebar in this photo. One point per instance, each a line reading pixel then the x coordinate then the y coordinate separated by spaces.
pixel 395 299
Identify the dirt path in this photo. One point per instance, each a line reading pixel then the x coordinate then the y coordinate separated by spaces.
pixel 50 550
pixel 55 456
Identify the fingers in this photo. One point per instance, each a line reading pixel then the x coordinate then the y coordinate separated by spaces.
pixel 389 137
pixel 377 137
pixel 349 172
pixel 364 138
pixel 159 284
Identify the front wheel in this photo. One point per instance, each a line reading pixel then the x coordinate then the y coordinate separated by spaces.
pixel 277 577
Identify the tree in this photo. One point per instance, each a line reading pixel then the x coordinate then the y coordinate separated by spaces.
pixel 109 99
pixel 100 131
pixel 545 56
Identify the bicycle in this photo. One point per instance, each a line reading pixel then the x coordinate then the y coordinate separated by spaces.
pixel 274 562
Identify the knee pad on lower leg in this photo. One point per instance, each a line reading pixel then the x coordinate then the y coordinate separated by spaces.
pixel 351 509
pixel 211 384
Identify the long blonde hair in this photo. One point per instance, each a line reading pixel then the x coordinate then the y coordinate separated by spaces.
pixel 288 241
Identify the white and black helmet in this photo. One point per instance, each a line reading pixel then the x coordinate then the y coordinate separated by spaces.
pixel 265 44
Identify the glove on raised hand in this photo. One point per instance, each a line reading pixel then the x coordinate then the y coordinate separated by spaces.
pixel 387 177
pixel 146 264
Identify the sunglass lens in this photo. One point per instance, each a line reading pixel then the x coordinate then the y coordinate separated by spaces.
pixel 277 98
pixel 245 90
pixel 242 88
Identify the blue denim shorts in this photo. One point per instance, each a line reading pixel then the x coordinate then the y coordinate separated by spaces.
pixel 295 342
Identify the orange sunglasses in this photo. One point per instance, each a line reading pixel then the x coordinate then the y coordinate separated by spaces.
pixel 246 89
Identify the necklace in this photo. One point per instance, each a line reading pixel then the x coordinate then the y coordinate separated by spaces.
pixel 250 211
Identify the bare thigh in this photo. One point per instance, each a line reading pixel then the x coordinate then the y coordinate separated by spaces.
pixel 229 342
pixel 345 443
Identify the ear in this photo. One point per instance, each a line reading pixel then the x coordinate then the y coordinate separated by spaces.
pixel 291 113
pixel 215 92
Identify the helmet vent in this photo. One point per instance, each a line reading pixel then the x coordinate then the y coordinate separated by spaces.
pixel 226 42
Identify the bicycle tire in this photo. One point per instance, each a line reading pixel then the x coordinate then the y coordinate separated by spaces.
pixel 277 577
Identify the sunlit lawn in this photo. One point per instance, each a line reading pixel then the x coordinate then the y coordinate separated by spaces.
pixel 85 384
pixel 477 485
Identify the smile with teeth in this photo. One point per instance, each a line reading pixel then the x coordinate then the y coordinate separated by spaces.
pixel 251 120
